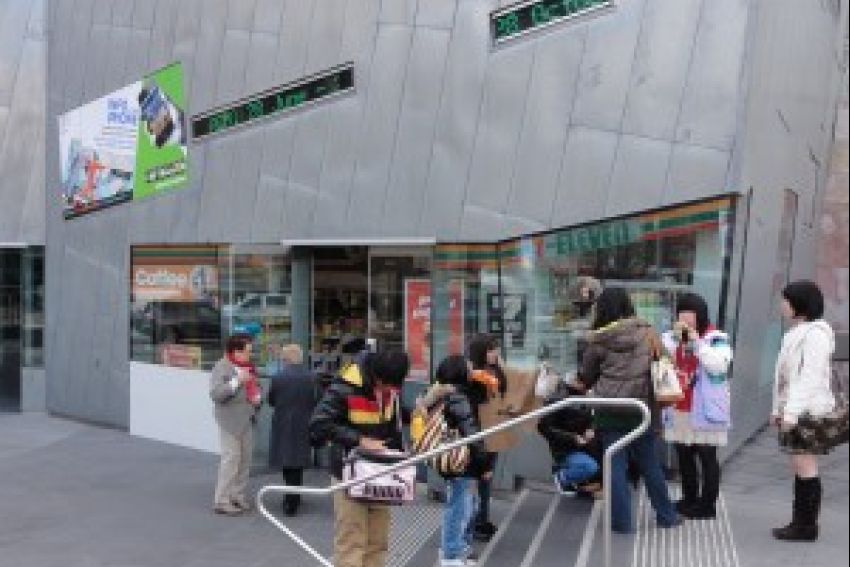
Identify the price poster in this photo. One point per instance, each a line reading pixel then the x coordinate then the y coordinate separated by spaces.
pixel 417 327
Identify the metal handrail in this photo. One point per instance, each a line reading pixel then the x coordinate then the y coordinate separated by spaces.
pixel 540 412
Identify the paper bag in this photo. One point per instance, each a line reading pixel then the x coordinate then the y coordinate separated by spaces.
pixel 518 400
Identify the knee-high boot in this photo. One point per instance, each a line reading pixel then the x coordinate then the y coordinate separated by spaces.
pixel 808 493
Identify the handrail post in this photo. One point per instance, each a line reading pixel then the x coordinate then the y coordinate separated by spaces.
pixel 508 424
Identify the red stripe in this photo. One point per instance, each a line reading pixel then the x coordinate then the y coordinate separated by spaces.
pixel 360 403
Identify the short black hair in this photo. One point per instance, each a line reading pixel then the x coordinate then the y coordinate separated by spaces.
pixel 453 370
pixel 390 367
pixel 478 348
pixel 237 342
pixel 805 298
pixel 613 305
pixel 696 305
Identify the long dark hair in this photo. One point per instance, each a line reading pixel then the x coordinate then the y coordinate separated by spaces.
pixel 696 305
pixel 613 305
pixel 478 348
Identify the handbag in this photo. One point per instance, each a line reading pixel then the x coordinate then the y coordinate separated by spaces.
pixel 712 404
pixel 436 433
pixel 395 488
pixel 665 378
pixel 547 382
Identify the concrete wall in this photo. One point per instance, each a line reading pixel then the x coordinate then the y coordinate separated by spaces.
pixel 23 74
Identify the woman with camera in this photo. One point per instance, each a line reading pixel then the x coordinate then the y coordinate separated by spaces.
pixel 698 424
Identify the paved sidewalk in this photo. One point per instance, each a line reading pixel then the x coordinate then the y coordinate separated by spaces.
pixel 758 486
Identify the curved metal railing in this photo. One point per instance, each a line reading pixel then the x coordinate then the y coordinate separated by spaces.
pixel 509 424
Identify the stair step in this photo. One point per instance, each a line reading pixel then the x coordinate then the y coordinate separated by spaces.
pixel 513 542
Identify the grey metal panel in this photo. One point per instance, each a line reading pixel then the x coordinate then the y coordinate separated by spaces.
pixel 184 224
pixel 499 126
pixel 235 199
pixel 696 172
pixel 583 182
pixel 33 214
pixel 607 65
pixel 24 129
pixel 261 62
pixel 640 171
pixel 377 138
pixel 346 122
pixel 544 133
pixel 143 14
pixel 481 223
pixel 232 67
pixel 710 107
pixel 80 26
pixel 208 55
pixel 325 39
pixel 162 34
pixel 405 191
pixel 457 120
pixel 240 14
pixel 37 26
pixel 122 12
pixel 102 14
pixel 294 36
pixel 436 13
pixel 100 44
pixel 267 15
pixel 661 65
pixel 400 12
pixel 13 21
pixel 137 65
pixel 268 209
pixel 186 34
pixel 60 43
pixel 214 221
pixel 111 76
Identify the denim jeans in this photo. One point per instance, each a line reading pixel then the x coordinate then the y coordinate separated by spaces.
pixel 644 454
pixel 458 512
pixel 576 468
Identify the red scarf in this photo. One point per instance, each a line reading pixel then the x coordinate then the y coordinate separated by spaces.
pixel 253 393
pixel 687 364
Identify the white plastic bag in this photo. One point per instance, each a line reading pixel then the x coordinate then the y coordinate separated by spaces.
pixel 547 382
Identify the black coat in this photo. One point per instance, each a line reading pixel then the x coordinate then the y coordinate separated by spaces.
pixel 350 410
pixel 293 394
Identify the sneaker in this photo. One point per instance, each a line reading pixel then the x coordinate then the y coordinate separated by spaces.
pixel 468 562
pixel 564 489
pixel 227 510
pixel 675 523
pixel 243 505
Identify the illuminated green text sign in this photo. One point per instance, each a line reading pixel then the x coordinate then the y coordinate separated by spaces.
pixel 274 101
pixel 525 17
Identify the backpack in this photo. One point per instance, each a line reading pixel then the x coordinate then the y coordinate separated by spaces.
pixel 432 432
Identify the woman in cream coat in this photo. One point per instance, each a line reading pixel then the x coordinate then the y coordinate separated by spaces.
pixel 803 393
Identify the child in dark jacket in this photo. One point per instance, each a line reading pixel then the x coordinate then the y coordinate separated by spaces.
pixel 575 452
pixel 451 390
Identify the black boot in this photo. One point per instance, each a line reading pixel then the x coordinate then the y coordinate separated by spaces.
pixel 807 502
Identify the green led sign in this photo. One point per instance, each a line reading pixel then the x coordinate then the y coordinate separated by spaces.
pixel 274 102
pixel 524 17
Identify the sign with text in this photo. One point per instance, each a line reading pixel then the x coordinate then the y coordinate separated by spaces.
pixel 417 327
pixel 523 17
pixel 127 145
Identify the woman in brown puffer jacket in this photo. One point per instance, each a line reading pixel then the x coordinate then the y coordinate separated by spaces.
pixel 616 364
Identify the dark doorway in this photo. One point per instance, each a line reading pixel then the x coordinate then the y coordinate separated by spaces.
pixel 10 329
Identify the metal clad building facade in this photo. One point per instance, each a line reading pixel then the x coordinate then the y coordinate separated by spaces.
pixel 446 137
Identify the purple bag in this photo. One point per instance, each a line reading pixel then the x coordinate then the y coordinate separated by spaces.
pixel 712 407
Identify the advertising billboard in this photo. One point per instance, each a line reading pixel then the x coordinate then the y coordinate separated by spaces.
pixel 129 144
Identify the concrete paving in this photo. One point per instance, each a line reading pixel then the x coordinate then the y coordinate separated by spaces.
pixel 81 496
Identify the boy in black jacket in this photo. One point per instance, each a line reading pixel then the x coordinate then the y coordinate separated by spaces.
pixel 575 451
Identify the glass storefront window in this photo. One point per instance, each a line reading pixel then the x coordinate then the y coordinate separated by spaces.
pixel 466 296
pixel 524 290
pixel 175 309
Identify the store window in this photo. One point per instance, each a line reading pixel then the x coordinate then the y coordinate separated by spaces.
pixel 33 307
pixel 175 312
pixel 526 290
pixel 185 300
pixel 466 296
